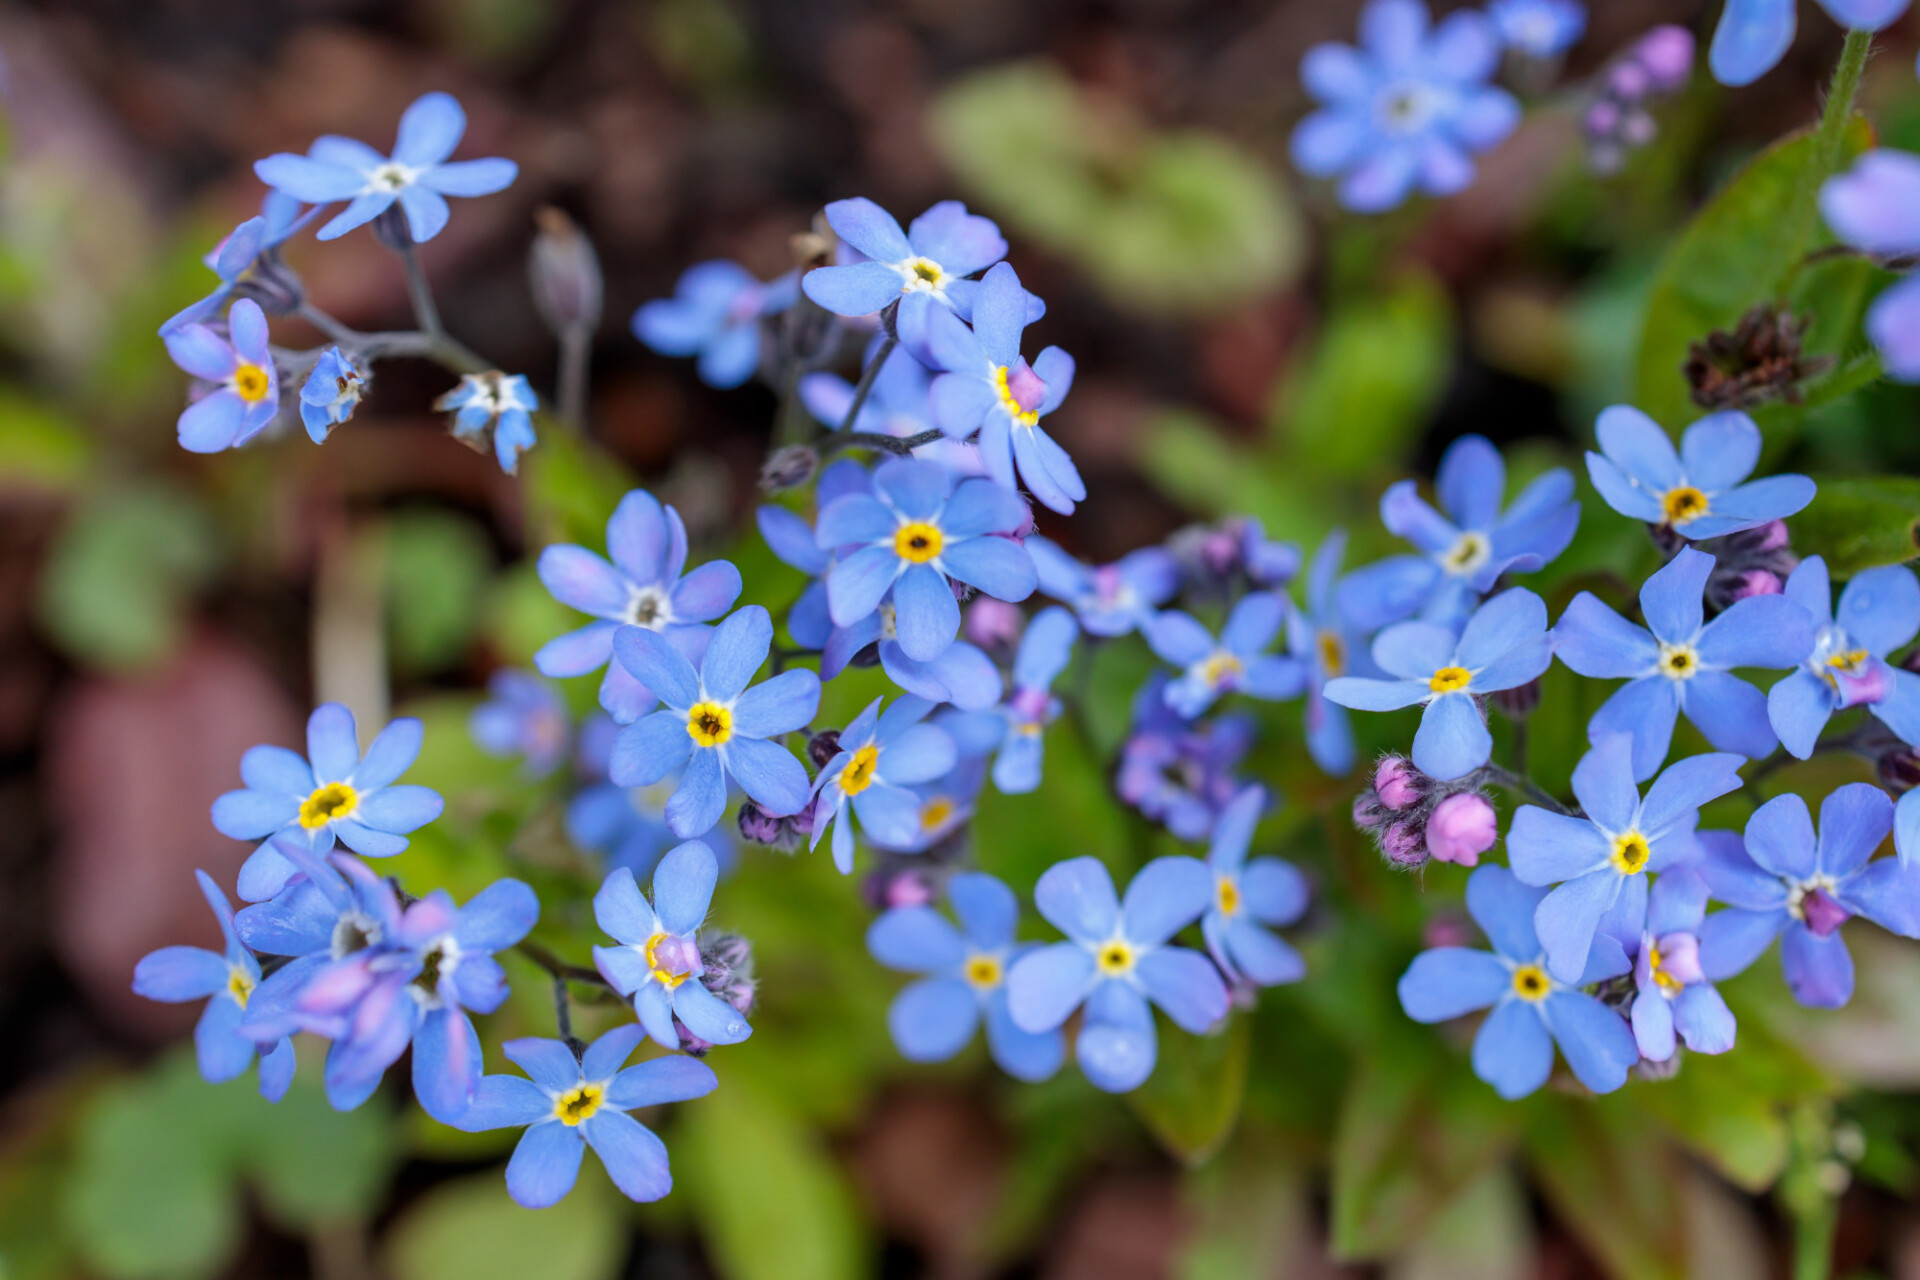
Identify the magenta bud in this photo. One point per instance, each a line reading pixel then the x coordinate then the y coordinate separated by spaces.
pixel 1462 827
pixel 757 825
pixel 1756 582
pixel 1401 842
pixel 994 624
pixel 1638 130
pixel 1366 812
pixel 1398 784
pixel 1822 913
pixel 1629 80
pixel 1772 535
pixel 1667 54
pixel 908 889
pixel 1449 930
pixel 1602 119
pixel 822 747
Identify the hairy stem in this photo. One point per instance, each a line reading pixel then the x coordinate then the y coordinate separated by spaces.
pixel 1841 92
pixel 900 446
pixel 864 387
pixel 559 968
pixel 1523 785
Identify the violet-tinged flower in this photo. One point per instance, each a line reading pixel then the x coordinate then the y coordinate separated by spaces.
pixel 643 587
pixel 1044 653
pixel 1532 1010
pixel 880 757
pixel 570 1104
pixel 1327 645
pixel 1678 663
pixel 987 386
pixel 331 393
pixel 226 981
pixel 523 716
pixel 916 533
pixel 947 803
pixel 966 968
pixel 1236 663
pixel 1115 961
pixel 340 794
pixel 1180 774
pixel 493 407
pixel 1406 109
pixel 418 174
pixel 1538 28
pixel 243 391
pixel 1601 861
pixel 1250 896
pixel 1875 207
pixel 1674 994
pixel 962 674
pixel 1504 644
pixel 714 314
pixel 1843 663
pixel 1113 599
pixel 1783 881
pixel 1696 492
pixel 1464 552
pixel 657 963
pixel 1754 35
pixel 713 724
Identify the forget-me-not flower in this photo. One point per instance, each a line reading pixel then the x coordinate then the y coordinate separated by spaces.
pixel 714 314
pixel 1601 861
pixel 1875 207
pixel 1115 961
pixel 1464 552
pixel 418 174
pixel 331 393
pixel 1328 645
pixel 333 909
pixel 1673 992
pixel 1407 109
pixel 881 756
pixel 339 794
pixel 657 964
pixel 226 981
pixel 966 968
pixel 236 256
pixel 1044 652
pixel 1110 600
pixel 497 405
pixel 244 387
pixel 1532 1010
pixel 1248 897
pixel 1236 663
pixel 523 716
pixel 1696 492
pixel 1679 663
pixel 1754 35
pixel 645 586
pixel 1504 644
pixel 1785 881
pixel 713 724
pixel 1538 28
pixel 1843 663
pixel 1176 773
pixel 570 1104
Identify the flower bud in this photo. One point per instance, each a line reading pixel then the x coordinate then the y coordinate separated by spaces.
pixel 1899 768
pixel 1401 843
pixel 1518 702
pixel 822 747
pixel 391 228
pixel 564 272
pixel 1367 813
pixel 1754 582
pixel 1398 784
pixel 1667 54
pixel 994 625
pixel 1462 827
pixel 757 826
pixel 789 468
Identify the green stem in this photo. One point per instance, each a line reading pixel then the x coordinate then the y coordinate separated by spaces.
pixel 1841 92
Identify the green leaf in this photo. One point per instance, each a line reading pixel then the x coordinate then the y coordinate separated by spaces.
pixel 1192 1100
pixel 1253 1219
pixel 1718 1109
pixel 471 1229
pixel 1738 251
pixel 315 1166
pixel 1859 524
pixel 45 451
pixel 1486 1233
pixel 438 564
pixel 1613 1181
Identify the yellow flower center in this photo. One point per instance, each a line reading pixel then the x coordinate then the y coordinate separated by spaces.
pixel 579 1103
pixel 1021 417
pixel 1678 661
pixel 1228 893
pixel 1221 668
pixel 1115 958
pixel 709 724
pixel 1468 554
pixel 935 812
pixel 1849 662
pixel 661 976
pixel 1684 504
pixel 1450 680
pixel 922 275
pixel 250 382
pixel 1530 982
pixel 1666 981
pixel 983 972
pixel 918 542
pixel 858 775
pixel 1630 852
pixel 239 986
pixel 333 801
pixel 1333 654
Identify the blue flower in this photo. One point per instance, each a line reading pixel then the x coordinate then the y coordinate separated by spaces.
pixel 921 268
pixel 497 403
pixel 418 173
pixel 1178 774
pixel 1407 109
pixel 1843 662
pixel 226 981
pixel 1600 861
pixel 1677 664
pixel 1754 35
pixel 791 539
pixel 1532 1010
pixel 1504 644
pixel 235 258
pixel 643 587
pixel 1044 652
pixel 714 314
pixel 714 724
pixel 332 392
pixel 572 1103
pixel 1113 599
pixel 1461 558
pixel 1328 645
pixel 898 406
pixel 1697 493
pixel 1248 897
pixel 525 717
pixel 880 757
pixel 914 533
pixel 1873 208
pixel 244 391
pixel 987 386
pixel 1538 28
pixel 658 961
pixel 1115 961
pixel 1783 881
pixel 1674 994
pixel 338 795
pixel 1267 563
pixel 1236 664
pixel 966 968
pixel 947 802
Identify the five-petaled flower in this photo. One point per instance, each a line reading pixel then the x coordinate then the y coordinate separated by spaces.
pixel 1673 992
pixel 880 756
pixel 243 391
pixel 497 405
pixel 1696 492
pixel 1236 663
pixel 1110 600
pixel 714 314
pixel 1248 897
pixel 1842 663
pixel 1044 652
pixel 658 964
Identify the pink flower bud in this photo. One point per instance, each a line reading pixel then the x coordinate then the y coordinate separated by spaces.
pixel 1772 535
pixel 1463 827
pixel 1401 842
pixel 1667 54
pixel 1366 812
pixel 1398 784
pixel 1756 582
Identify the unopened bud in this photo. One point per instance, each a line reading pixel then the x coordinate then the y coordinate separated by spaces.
pixel 757 826
pixel 1518 702
pixel 1402 845
pixel 1398 784
pixel 1755 582
pixel 1899 768
pixel 1367 813
pixel 390 228
pixel 1463 827
pixel 994 625
pixel 565 273
pixel 789 468
pixel 822 747
pixel 1667 54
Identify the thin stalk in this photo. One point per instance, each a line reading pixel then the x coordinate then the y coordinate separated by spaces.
pixel 559 968
pixel 426 313
pixel 1527 787
pixel 865 386
pixel 901 446
pixel 1841 92
pixel 343 334
pixel 576 350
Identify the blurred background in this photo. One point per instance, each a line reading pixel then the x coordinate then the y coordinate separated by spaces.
pixel 1243 346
